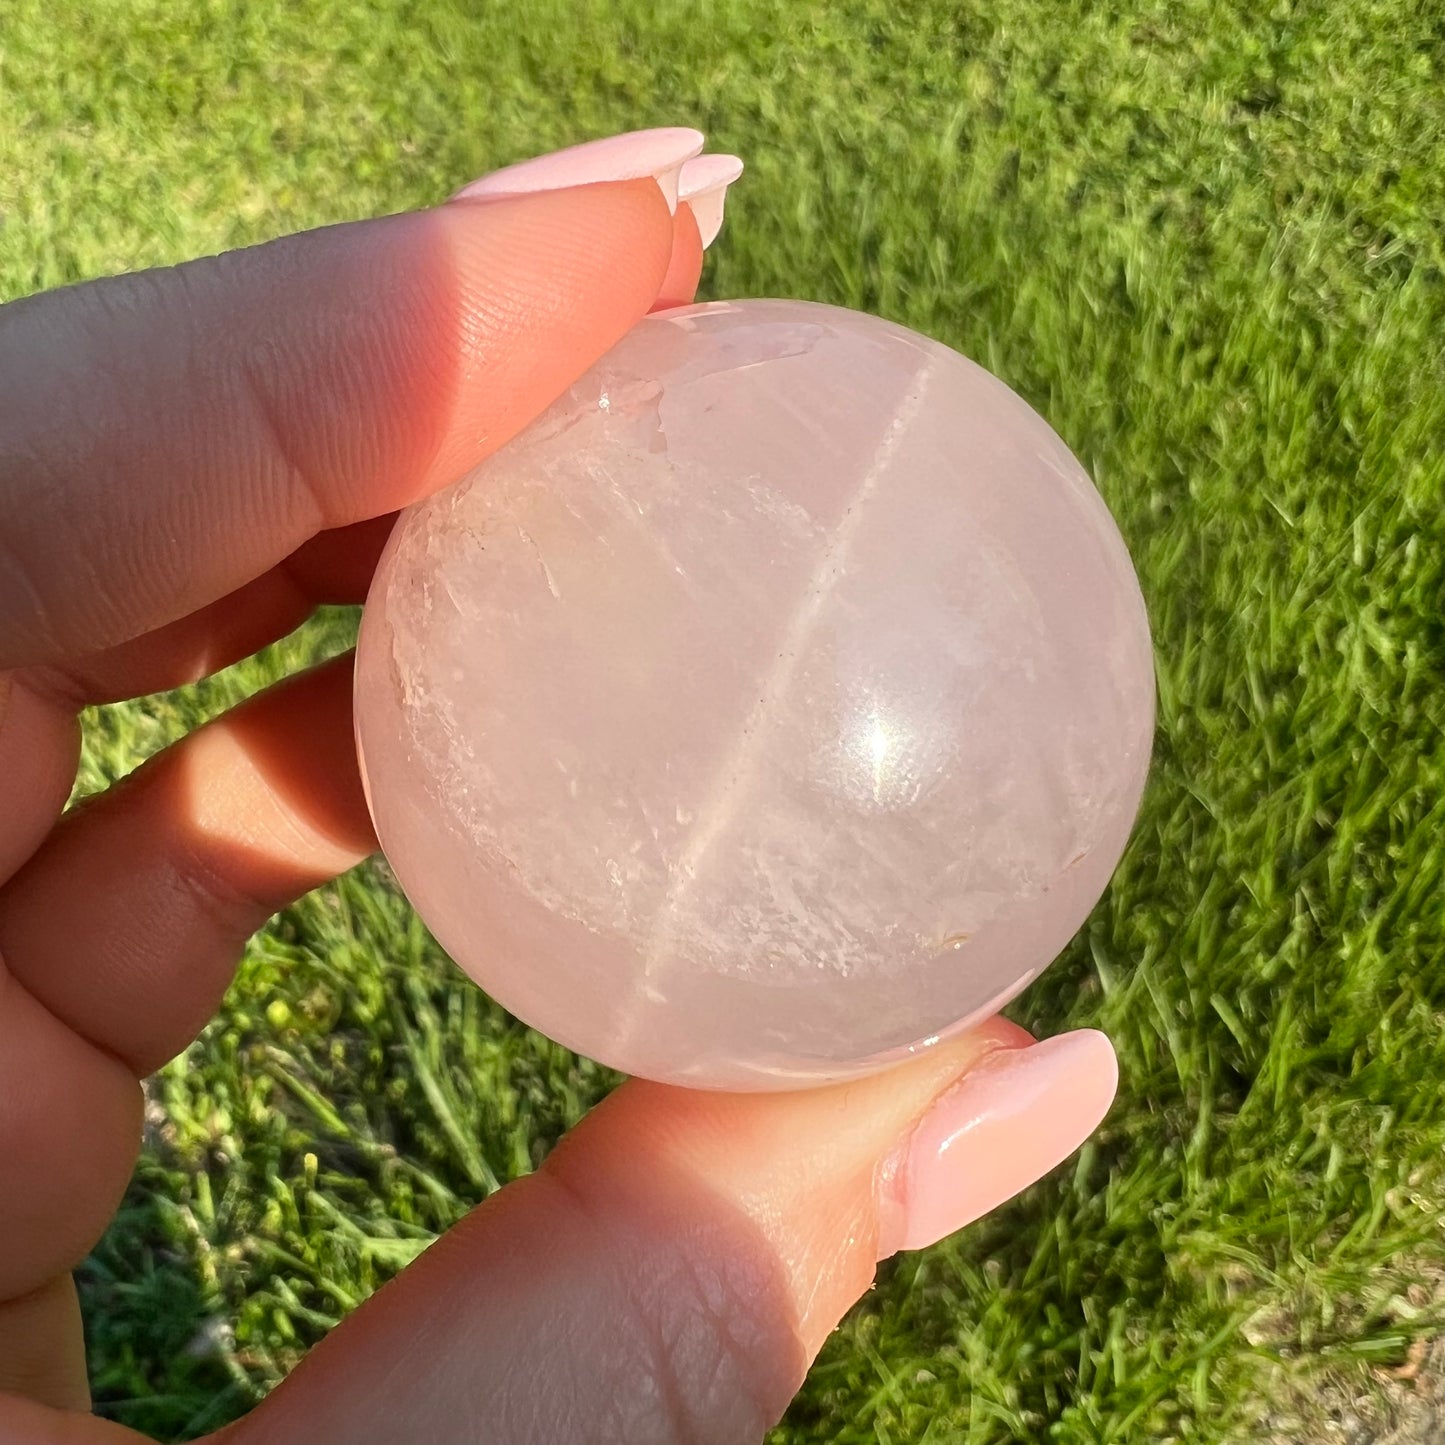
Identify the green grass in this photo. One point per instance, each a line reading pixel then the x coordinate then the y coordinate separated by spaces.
pixel 1207 240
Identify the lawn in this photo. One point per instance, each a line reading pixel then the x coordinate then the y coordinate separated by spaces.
pixel 1207 241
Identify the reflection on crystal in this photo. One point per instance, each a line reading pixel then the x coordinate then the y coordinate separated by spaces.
pixel 878 746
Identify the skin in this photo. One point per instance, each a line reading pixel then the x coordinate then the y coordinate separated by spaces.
pixel 190 462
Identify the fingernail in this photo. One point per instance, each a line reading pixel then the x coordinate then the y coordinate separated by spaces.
pixel 658 153
pixel 702 184
pixel 1003 1126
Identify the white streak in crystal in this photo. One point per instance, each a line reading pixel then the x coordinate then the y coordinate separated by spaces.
pixel 741 766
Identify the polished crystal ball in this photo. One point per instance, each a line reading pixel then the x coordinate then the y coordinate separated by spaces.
pixel 776 705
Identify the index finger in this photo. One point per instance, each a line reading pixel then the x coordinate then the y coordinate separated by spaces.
pixel 168 436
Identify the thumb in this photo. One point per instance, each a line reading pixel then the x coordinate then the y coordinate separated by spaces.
pixel 673 1268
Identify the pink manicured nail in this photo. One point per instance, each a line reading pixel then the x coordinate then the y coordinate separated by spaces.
pixel 703 183
pixel 658 153
pixel 1005 1124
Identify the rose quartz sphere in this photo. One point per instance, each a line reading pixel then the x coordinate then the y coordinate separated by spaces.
pixel 776 705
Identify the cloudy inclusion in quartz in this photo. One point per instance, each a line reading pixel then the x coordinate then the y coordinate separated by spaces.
pixel 778 703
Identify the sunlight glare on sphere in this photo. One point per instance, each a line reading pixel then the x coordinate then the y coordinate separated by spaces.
pixel 776 704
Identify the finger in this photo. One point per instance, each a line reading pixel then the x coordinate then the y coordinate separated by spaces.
pixel 674 1266
pixel 39 736
pixel 42 1347
pixel 184 651
pixel 334 567
pixel 70 1120
pixel 127 922
pixel 337 565
pixel 39 750
pixel 702 188
pixel 26 1422
pixel 684 271
pixel 233 407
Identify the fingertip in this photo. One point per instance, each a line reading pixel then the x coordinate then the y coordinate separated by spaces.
pixel 1015 1115
pixel 1098 1065
pixel 684 271
pixel 545 284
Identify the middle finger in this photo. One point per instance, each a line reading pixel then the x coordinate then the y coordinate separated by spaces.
pixel 128 921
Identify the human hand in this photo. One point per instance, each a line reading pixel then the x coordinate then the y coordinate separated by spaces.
pixel 190 461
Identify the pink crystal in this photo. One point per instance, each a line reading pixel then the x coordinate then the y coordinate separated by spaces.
pixel 777 704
